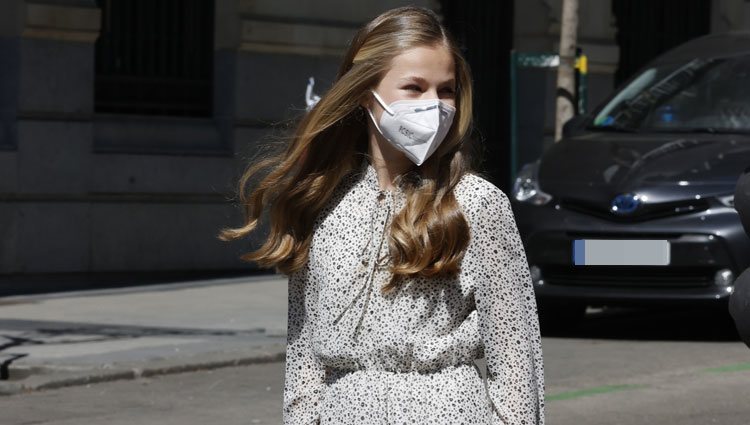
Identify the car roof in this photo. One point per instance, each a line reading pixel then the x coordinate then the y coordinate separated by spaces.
pixel 708 47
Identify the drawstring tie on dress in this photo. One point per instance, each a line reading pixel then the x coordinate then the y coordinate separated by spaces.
pixel 370 278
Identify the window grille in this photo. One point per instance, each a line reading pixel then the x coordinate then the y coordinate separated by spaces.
pixel 155 57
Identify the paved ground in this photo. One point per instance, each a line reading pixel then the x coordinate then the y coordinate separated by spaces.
pixel 590 381
pixel 71 338
pixel 619 367
pixel 236 395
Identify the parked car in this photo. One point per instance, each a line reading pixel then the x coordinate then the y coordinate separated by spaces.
pixel 635 204
pixel 739 301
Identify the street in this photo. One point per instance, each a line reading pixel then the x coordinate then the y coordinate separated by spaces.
pixel 623 367
pixel 191 189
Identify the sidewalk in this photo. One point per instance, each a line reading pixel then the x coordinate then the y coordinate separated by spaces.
pixel 74 338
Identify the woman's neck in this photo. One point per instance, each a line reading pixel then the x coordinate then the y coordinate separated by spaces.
pixel 388 161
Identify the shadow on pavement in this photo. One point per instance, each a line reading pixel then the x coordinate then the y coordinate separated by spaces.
pixel 16 335
pixel 34 284
pixel 650 324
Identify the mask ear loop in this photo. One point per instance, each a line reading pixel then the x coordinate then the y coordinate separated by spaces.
pixel 381 102
pixel 372 116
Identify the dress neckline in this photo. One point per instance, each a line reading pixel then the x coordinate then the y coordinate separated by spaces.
pixel 370 177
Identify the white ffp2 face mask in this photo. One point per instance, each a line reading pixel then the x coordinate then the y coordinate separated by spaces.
pixel 415 127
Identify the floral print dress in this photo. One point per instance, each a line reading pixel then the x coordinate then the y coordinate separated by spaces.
pixel 356 356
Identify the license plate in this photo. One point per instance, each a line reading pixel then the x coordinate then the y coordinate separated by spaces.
pixel 621 252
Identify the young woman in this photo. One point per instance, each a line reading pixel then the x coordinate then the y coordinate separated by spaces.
pixel 404 266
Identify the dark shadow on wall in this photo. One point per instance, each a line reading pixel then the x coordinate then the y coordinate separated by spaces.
pixel 484 31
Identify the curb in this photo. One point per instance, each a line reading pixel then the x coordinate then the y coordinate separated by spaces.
pixel 53 377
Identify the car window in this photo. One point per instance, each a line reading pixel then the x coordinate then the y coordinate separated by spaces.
pixel 641 82
pixel 711 95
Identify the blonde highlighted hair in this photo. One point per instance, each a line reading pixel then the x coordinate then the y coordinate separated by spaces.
pixel 429 236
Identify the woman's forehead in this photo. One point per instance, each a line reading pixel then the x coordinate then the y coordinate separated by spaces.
pixel 428 63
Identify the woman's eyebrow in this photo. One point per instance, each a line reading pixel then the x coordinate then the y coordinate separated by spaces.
pixel 413 78
pixel 418 79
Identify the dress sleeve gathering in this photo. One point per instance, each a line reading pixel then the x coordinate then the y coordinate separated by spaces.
pixel 508 320
pixel 304 376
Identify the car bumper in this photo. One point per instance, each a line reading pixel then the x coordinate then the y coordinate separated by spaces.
pixel 701 245
pixel 628 296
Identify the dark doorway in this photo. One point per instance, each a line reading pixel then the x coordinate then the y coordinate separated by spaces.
pixel 484 30
pixel 646 28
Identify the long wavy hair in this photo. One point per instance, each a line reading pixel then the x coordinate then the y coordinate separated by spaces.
pixel 430 234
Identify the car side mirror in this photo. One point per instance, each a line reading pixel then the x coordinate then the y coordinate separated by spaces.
pixel 574 125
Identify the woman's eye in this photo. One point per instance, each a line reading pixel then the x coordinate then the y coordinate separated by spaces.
pixel 413 87
pixel 447 90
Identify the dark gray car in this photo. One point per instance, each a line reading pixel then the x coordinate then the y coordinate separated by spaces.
pixel 635 204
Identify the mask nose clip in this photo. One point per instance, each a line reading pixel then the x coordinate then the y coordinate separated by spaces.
pixel 426 108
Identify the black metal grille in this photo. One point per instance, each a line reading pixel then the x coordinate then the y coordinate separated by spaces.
pixel 647 28
pixel 155 57
pixel 646 212
pixel 629 276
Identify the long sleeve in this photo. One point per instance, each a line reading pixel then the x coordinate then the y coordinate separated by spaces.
pixel 303 377
pixel 508 320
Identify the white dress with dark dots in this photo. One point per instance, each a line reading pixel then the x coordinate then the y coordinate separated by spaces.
pixel 356 356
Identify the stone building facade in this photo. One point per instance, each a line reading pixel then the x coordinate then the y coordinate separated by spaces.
pixel 88 185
